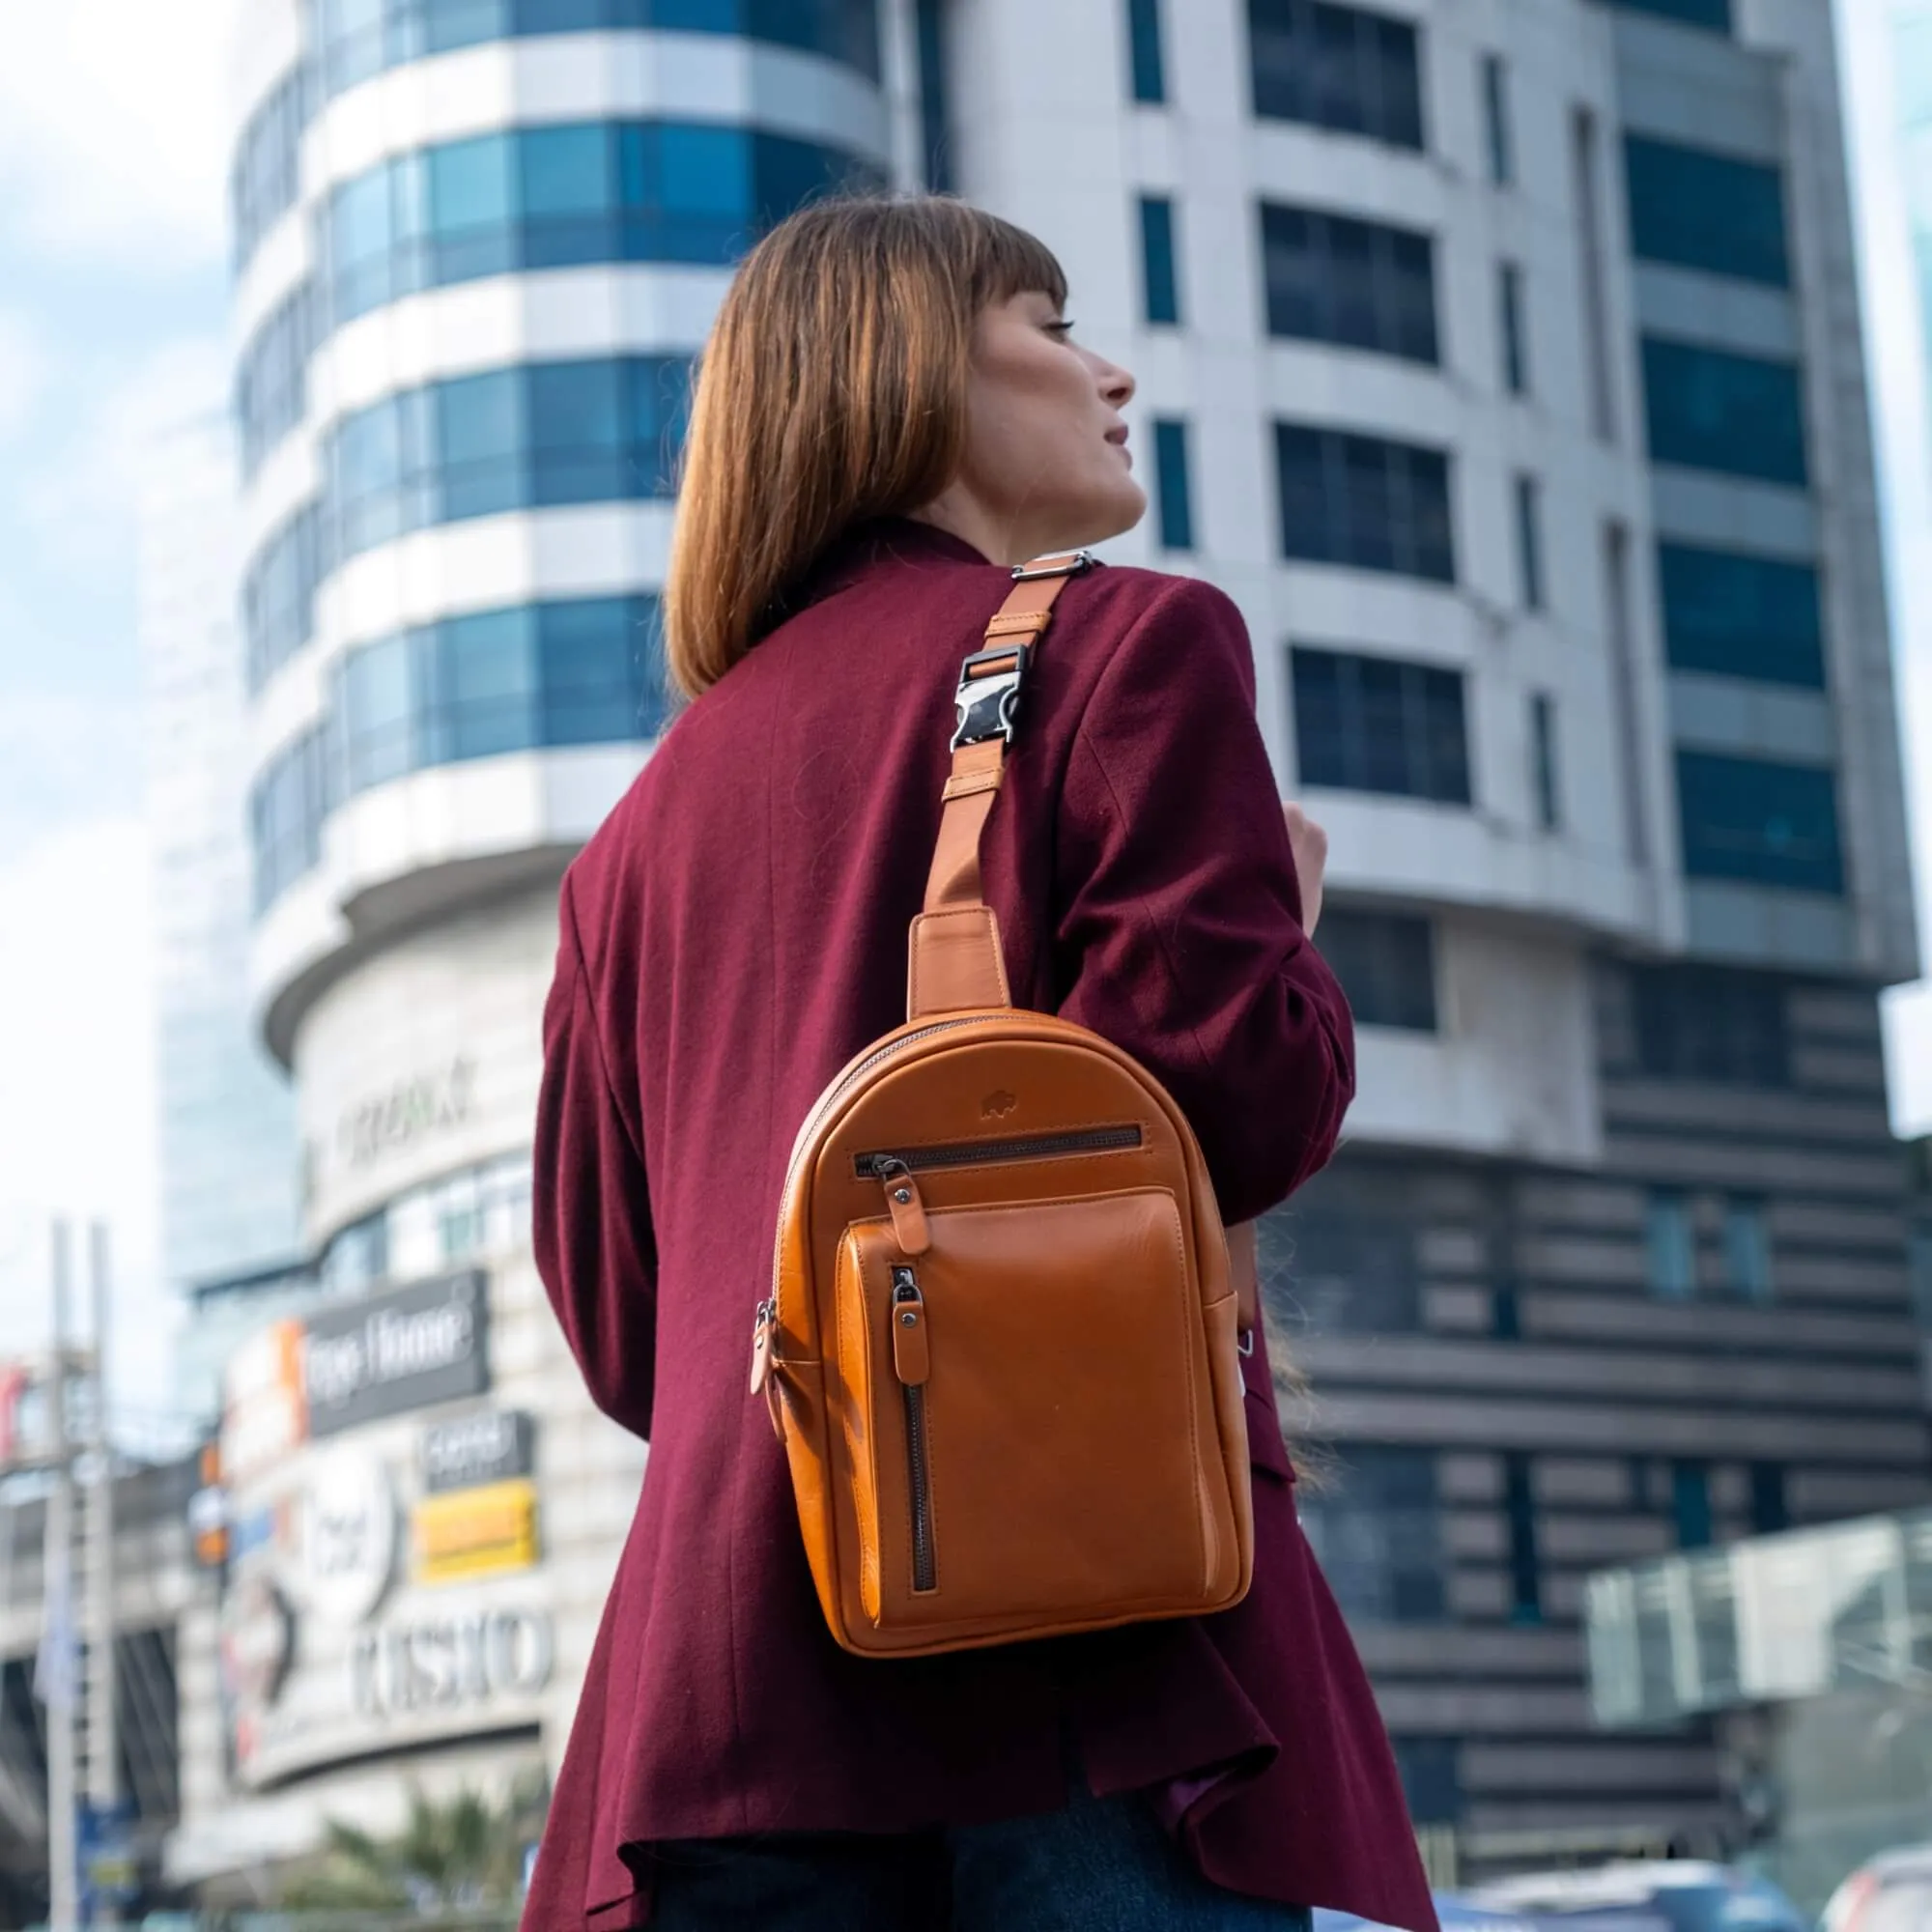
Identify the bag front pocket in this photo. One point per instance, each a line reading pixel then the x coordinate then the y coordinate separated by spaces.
pixel 1027 1420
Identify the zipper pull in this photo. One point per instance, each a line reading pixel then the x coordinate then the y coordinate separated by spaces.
pixel 908 1211
pixel 912 1360
pixel 764 1345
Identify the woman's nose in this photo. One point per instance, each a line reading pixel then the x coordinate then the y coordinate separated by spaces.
pixel 1116 385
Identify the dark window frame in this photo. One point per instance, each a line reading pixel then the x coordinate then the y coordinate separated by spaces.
pixel 1352 283
pixel 1349 69
pixel 1365 502
pixel 1393 727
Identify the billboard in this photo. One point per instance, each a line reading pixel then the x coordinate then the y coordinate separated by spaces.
pixel 395 1352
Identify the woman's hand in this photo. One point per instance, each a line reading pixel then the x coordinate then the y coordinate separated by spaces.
pixel 1310 844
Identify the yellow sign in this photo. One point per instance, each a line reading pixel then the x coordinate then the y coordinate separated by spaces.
pixel 478 1532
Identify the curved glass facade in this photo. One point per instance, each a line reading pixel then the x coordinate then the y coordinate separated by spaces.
pixel 535 436
pixel 584 671
pixel 278 594
pixel 266 175
pixel 444 1223
pixel 272 384
pixel 562 196
pixel 526 437
pixel 356 38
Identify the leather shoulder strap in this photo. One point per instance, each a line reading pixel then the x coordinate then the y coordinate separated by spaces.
pixel 956 960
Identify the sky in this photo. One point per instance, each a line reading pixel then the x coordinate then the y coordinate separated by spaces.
pixel 113 119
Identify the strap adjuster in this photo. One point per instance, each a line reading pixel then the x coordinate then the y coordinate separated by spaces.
pixel 1066 563
pixel 988 705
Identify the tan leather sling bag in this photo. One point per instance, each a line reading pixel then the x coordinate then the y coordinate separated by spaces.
pixel 1002 1350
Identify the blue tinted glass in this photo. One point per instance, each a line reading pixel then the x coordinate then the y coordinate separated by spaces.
pixel 1150 83
pixel 375 714
pixel 1742 616
pixel 359 227
pixel 1158 281
pixel 460 23
pixel 1699 209
pixel 1709 409
pixel 1716 13
pixel 1379 724
pixel 658 401
pixel 485 685
pixel 1173 498
pixel 470 185
pixel 1690 1504
pixel 566 170
pixel 1353 70
pixel 592 658
pixel 704 171
pixel 576 431
pixel 367 476
pixel 480 442
pixel 786 174
pixel 572 17
pixel 1756 820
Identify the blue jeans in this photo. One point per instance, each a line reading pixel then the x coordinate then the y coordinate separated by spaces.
pixel 1100 1865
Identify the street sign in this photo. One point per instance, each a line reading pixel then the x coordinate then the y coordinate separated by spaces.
pixel 110 1873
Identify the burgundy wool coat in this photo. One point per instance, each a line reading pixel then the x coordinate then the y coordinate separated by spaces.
pixel 730 937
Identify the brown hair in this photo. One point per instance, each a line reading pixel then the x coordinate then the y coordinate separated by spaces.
pixel 831 391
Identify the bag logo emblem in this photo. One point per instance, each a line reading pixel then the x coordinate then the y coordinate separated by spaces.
pixel 997 1106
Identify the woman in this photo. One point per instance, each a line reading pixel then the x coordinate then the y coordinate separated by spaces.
pixel 892 412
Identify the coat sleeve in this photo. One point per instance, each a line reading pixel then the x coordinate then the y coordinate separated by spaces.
pixel 1178 914
pixel 590 1208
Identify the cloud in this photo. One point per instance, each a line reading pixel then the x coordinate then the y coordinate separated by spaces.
pixel 22 371
pixel 77 1094
pixel 114 127
pixel 79 501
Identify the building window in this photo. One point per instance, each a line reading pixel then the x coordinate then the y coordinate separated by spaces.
pixel 1346 68
pixel 1690 1504
pixel 1159 281
pixel 1709 1023
pixel 565 195
pixel 1693 209
pixel 1362 284
pixel 278 594
pixel 1616 551
pixel 1588 224
pixel 1712 408
pixel 266 175
pixel 357 38
pixel 1918 1271
pixel 1670 1246
pixel 1766 823
pixel 1496 120
pixel 1336 1266
pixel 1714 13
pixel 1377 1533
pixel 529 436
pixel 1432 1778
pixel 1747 1250
pixel 1379 724
pixel 1144 51
pixel 935 129
pixel 1739 615
pixel 1387 964
pixel 1769 1505
pixel 1543 777
pixel 577 672
pixel 1529 542
pixel 272 382
pixel 1511 331
pixel 1525 1568
pixel 1174 505
pixel 1366 502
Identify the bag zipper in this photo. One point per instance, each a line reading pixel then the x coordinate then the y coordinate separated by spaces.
pixel 908 1303
pixel 878 1166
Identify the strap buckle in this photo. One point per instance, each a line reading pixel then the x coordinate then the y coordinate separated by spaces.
pixel 988 706
pixel 1062 563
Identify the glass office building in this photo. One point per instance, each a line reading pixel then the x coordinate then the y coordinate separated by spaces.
pixel 1500 359
pixel 227 1135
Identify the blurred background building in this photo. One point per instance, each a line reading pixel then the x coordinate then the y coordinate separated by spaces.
pixel 228 1147
pixel 1502 359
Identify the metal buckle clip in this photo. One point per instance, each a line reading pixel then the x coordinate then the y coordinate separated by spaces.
pixel 988 706
pixel 1067 563
pixel 1244 1340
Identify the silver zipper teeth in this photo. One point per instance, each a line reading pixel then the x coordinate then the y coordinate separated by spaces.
pixel 825 1104
pixel 997 1153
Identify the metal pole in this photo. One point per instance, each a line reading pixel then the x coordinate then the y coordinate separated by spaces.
pixel 57 1648
pixel 104 1737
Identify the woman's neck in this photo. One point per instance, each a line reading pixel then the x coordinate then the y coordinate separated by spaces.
pixel 960 514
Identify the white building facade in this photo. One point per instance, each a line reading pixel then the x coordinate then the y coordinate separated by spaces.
pixel 1500 359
